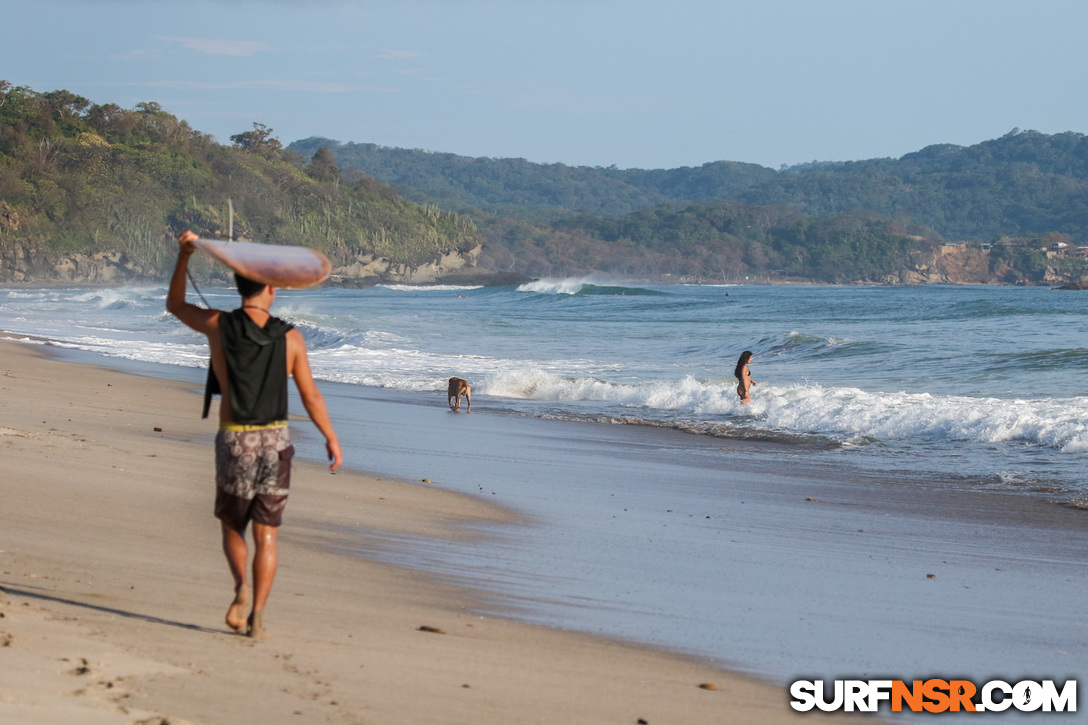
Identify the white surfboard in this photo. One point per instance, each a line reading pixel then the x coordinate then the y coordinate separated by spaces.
pixel 282 266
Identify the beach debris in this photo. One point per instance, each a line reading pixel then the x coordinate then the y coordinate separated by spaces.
pixel 158 429
pixel 931 576
pixel 642 721
pixel 433 630
pixel 426 480
pixel 708 686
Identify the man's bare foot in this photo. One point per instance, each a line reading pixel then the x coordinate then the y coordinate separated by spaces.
pixel 237 612
pixel 255 628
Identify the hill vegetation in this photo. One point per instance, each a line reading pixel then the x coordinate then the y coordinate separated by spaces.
pixel 82 180
pixel 1024 183
pixel 1026 192
pixel 520 189
pixel 88 184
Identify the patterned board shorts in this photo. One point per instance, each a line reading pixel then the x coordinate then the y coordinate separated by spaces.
pixel 252 475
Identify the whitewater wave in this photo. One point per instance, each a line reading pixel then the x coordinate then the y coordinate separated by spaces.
pixel 847 415
pixel 590 285
pixel 430 287
pixel 670 365
pixel 118 298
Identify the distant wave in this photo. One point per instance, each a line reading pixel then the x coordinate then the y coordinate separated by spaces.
pixel 584 286
pixel 797 343
pixel 429 287
pixel 1057 359
pixel 705 284
pixel 799 346
pixel 114 298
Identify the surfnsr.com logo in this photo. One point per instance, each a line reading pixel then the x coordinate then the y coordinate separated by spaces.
pixel 934 695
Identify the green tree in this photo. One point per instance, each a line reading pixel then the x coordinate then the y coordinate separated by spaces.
pixel 323 165
pixel 258 141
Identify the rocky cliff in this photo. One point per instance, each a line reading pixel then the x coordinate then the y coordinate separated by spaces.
pixel 29 266
pixel 951 264
pixel 25 266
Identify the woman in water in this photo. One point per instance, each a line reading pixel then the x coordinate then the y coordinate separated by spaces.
pixel 744 377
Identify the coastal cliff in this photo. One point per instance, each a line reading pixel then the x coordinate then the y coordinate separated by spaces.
pixel 19 265
pixel 28 266
pixel 959 264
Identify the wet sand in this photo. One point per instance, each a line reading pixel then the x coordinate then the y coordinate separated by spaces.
pixel 779 561
pixel 113 590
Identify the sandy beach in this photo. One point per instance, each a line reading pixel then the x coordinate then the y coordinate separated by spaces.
pixel 113 590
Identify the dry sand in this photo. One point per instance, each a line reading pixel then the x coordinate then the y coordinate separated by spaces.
pixel 113 590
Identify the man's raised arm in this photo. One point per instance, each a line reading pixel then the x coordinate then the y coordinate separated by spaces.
pixel 195 317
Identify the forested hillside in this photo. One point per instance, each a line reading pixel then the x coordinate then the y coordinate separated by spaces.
pixel 93 192
pixel 520 189
pixel 1022 184
pixel 83 181
pixel 882 219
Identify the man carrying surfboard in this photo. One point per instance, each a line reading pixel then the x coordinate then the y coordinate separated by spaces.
pixel 252 355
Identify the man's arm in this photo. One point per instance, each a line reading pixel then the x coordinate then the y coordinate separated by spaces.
pixel 198 318
pixel 298 367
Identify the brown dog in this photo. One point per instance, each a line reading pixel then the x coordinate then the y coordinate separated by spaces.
pixel 459 387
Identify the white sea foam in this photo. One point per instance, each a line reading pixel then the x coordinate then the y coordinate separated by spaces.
pixel 846 414
pixel 831 364
pixel 430 287
pixel 569 285
pixel 554 286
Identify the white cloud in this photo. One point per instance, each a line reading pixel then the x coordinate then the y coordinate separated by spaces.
pixel 399 55
pixel 211 46
pixel 263 85
pixel 130 55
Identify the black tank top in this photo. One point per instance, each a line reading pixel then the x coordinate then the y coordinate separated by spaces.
pixel 256 368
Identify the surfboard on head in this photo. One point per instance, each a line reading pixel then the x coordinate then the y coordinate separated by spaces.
pixel 282 266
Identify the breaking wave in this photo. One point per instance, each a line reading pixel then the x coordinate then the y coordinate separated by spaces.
pixel 584 286
pixel 847 415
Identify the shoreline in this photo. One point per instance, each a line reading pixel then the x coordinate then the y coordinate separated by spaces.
pixel 113 590
pixel 787 568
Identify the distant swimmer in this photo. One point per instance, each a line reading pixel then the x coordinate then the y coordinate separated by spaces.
pixel 457 388
pixel 744 377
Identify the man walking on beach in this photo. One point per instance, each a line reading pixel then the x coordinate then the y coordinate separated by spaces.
pixel 253 354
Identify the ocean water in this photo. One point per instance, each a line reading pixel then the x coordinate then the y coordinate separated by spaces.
pixel 978 386
pixel 656 505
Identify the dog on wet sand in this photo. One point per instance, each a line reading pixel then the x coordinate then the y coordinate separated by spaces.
pixel 457 388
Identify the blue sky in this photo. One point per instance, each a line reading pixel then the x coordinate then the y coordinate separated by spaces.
pixel 635 83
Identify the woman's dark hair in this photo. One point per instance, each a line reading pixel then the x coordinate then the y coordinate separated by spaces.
pixel 744 358
pixel 248 287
